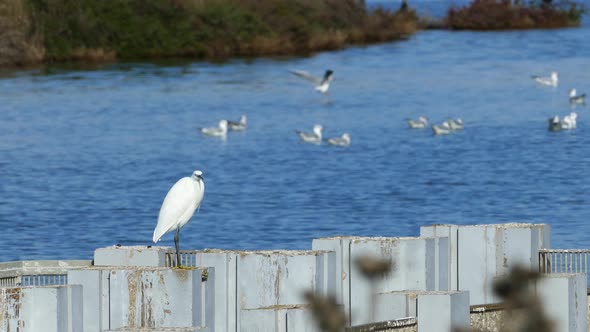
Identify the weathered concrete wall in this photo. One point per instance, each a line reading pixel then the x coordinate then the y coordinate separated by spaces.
pixel 132 297
pixel 131 256
pixel 565 300
pixel 419 264
pixel 480 253
pixel 36 309
pixel 487 318
pixel 280 318
pixel 19 44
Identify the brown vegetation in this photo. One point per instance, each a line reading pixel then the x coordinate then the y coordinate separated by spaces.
pixel 19 43
pixel 502 15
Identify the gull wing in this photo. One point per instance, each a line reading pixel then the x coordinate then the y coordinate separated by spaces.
pixel 307 76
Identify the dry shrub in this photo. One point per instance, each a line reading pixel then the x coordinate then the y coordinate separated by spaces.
pixel 502 15
pixel 20 43
pixel 92 55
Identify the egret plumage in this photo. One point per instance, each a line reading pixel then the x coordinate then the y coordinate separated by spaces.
pixel 178 207
pixel 321 84
pixel 343 140
pixel 314 137
pixel 237 126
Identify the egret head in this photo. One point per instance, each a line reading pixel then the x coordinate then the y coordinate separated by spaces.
pixel 346 137
pixel 223 124
pixel 423 119
pixel 243 119
pixel 198 175
pixel 554 76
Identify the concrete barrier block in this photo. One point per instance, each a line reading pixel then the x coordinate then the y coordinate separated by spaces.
pixel 281 318
pixel 267 278
pixel 166 329
pixel 443 311
pixel 271 278
pixel 565 300
pixel 143 297
pixel 480 253
pixel 396 305
pixel 416 268
pixel 225 263
pixel 131 256
pixel 41 309
pixel 450 232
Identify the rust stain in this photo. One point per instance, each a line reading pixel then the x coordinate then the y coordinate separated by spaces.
pixel 132 280
pixel 147 317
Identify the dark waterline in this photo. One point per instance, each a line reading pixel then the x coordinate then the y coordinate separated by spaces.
pixel 87 155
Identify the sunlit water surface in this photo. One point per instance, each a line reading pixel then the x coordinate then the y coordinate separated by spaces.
pixel 87 155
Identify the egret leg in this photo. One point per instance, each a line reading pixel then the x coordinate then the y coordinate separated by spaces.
pixel 176 237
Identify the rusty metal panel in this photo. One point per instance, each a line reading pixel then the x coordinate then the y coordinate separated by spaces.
pixel 443 311
pixel 131 256
pixel 564 300
pixel 41 309
pixel 160 297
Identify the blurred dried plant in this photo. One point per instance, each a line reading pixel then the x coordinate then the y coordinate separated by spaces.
pixel 524 309
pixel 326 311
pixel 374 268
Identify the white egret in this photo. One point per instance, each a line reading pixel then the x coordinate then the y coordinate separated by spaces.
pixel 343 140
pixel 321 84
pixel 180 204
pixel 314 137
pixel 551 81
pixel 237 126
pixel 420 123
pixel 219 131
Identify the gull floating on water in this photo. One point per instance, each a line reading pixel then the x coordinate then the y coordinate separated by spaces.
pixel 442 129
pixel 569 122
pixel 237 126
pixel 178 207
pixel 343 140
pixel 314 137
pixel 455 124
pixel 551 81
pixel 575 98
pixel 420 123
pixel 321 84
pixel 219 131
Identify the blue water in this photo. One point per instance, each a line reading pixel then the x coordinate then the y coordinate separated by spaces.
pixel 88 154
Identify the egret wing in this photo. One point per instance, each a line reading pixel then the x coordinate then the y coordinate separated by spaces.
pixel 307 76
pixel 179 202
